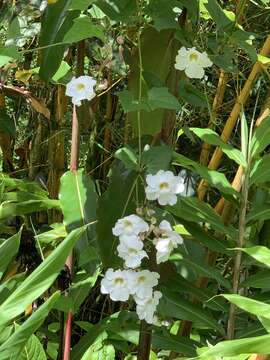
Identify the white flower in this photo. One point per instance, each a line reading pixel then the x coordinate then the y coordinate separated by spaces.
pixel 168 241
pixel 130 225
pixel 163 187
pixel 142 283
pixel 116 284
pixel 81 88
pixel 193 62
pixel 146 307
pixel 131 250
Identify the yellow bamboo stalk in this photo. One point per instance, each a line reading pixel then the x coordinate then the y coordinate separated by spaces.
pixel 231 121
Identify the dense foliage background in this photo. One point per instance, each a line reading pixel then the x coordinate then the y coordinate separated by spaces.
pixel 63 186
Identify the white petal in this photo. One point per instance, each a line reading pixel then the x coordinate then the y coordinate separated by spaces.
pixel 194 70
pixel 204 60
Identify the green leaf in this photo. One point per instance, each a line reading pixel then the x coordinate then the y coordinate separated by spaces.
pixel 214 178
pixel 202 269
pixel 130 104
pixel 119 193
pixel 157 158
pixel 176 306
pixel 259 212
pixel 8 250
pixel 12 348
pixel 61 72
pixel 128 156
pixel 78 201
pixel 259 253
pixel 192 95
pixel 213 243
pixel 118 10
pixel 221 18
pixel 33 350
pixel 8 54
pixel 82 28
pixel 261 137
pixel 195 210
pixel 254 307
pixel 260 171
pixel 212 138
pixel 6 123
pixel 259 280
pixel 10 209
pixel 160 98
pixel 161 339
pixel 80 4
pixel 257 345
pixel 39 280
pixel 58 19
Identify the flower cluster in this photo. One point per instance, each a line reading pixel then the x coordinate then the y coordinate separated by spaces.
pixel 81 88
pixel 192 62
pixel 133 233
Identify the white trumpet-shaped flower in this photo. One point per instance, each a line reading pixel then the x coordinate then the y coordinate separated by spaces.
pixel 146 307
pixel 81 88
pixel 142 283
pixel 116 284
pixel 163 187
pixel 130 225
pixel 192 62
pixel 131 250
pixel 168 240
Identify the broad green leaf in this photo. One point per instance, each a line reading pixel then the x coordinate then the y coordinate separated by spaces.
pixel 195 210
pixel 260 280
pixel 178 284
pixel 162 14
pixel 128 157
pixel 212 242
pixel 161 98
pixel 12 348
pixel 63 70
pixel 80 4
pixel 174 305
pixel 157 158
pixel 58 19
pixel 214 178
pixel 78 201
pixel 222 19
pixel 8 54
pixel 192 95
pixel 202 269
pixel 157 49
pixel 254 307
pixel 161 339
pixel 8 250
pixel 39 280
pixel 252 345
pixel 129 103
pixel 82 28
pixel 259 253
pixel 212 138
pixel 8 286
pixel 260 171
pixel 51 236
pixel 118 10
pixel 119 193
pixel 33 350
pixel 6 122
pixel 261 137
pixel 260 212
pixel 10 209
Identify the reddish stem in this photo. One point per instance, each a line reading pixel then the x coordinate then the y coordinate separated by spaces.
pixel 67 337
pixel 69 261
